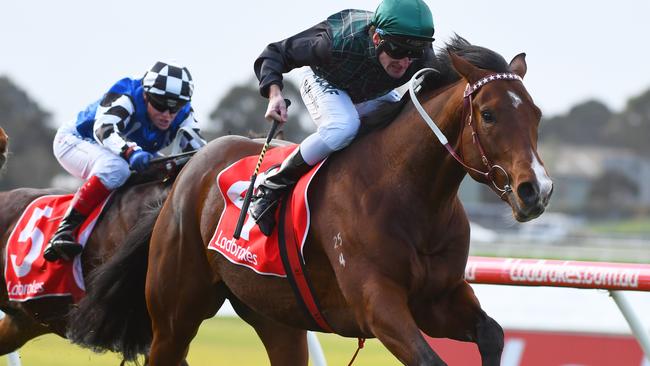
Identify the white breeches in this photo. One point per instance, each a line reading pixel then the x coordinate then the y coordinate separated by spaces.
pixel 83 159
pixel 337 118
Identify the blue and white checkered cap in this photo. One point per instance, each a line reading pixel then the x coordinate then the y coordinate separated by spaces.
pixel 169 81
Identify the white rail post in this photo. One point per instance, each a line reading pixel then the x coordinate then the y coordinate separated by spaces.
pixel 13 359
pixel 633 321
pixel 315 350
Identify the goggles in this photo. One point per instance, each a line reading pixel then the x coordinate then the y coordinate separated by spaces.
pixel 162 104
pixel 401 47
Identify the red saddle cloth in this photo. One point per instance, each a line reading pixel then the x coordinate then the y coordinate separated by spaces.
pixel 254 249
pixel 27 274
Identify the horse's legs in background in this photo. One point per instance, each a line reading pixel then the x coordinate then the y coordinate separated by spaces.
pixel 16 329
pixel 460 317
pixel 284 345
pixel 179 284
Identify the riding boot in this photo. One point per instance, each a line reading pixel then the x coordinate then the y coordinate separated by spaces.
pixel 274 187
pixel 64 244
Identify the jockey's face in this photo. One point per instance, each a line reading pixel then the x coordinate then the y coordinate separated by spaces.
pixel 162 120
pixel 395 68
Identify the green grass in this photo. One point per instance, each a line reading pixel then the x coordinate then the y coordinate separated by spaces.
pixel 221 341
pixel 639 226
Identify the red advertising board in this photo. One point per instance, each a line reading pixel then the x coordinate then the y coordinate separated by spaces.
pixel 537 348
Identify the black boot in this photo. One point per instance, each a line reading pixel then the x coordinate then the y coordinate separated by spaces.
pixel 63 244
pixel 274 187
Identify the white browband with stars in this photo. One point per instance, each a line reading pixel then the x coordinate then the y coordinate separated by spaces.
pixel 470 89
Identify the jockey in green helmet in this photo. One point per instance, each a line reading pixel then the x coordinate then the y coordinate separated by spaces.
pixel 356 59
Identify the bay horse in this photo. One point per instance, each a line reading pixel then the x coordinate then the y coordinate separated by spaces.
pixel 387 204
pixel 142 195
pixel 4 140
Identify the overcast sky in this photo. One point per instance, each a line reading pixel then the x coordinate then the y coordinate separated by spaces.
pixel 66 53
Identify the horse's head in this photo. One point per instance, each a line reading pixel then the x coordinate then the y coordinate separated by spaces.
pixel 500 136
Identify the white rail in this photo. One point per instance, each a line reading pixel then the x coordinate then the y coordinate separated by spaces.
pixel 13 359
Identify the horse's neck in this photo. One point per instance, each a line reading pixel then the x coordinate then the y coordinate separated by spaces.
pixel 425 164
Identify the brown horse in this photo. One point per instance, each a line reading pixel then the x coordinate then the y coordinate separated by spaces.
pixel 140 196
pixel 389 202
pixel 4 140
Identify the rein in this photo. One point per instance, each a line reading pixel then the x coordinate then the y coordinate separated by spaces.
pixel 470 90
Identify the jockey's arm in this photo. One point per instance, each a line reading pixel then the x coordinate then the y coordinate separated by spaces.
pixel 113 115
pixel 311 47
pixel 188 137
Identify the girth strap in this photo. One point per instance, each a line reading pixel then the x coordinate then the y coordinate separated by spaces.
pixel 294 267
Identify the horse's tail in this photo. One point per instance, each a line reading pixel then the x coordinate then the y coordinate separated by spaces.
pixel 4 140
pixel 113 314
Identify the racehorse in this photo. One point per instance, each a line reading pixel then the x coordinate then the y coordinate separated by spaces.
pixel 4 140
pixel 387 205
pixel 141 195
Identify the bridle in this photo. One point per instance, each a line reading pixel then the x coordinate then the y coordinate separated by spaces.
pixel 492 169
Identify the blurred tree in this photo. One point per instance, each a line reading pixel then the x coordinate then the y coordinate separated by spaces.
pixel 31 162
pixel 241 112
pixel 631 128
pixel 583 125
pixel 592 123
pixel 612 195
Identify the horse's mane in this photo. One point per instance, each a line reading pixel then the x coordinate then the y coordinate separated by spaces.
pixel 478 56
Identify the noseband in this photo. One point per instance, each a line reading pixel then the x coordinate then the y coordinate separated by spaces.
pixel 492 169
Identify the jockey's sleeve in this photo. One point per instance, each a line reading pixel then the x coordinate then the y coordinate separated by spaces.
pixel 112 116
pixel 311 47
pixel 190 140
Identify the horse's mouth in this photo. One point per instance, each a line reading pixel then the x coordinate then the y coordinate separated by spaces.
pixel 524 213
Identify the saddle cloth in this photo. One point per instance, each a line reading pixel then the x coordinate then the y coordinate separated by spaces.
pixel 27 274
pixel 253 249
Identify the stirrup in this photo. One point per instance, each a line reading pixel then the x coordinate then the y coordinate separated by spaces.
pixel 62 250
pixel 265 219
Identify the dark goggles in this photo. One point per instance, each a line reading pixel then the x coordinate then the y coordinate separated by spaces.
pixel 162 104
pixel 400 47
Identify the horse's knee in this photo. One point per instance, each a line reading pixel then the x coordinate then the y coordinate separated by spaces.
pixel 489 340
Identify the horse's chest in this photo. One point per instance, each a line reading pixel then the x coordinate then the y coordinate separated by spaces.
pixel 435 274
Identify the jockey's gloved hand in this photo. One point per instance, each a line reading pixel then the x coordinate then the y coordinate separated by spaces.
pixel 139 160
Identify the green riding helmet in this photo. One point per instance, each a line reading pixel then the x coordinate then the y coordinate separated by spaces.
pixel 409 21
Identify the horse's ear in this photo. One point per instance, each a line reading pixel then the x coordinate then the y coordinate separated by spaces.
pixel 464 68
pixel 518 64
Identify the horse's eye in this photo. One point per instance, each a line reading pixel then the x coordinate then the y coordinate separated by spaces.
pixel 487 117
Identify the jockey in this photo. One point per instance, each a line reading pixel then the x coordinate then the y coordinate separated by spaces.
pixel 356 60
pixel 121 131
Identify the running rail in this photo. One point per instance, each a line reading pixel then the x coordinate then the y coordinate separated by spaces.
pixel 13 359
pixel 614 277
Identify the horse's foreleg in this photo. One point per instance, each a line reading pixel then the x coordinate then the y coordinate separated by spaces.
pixel 284 345
pixel 178 286
pixel 386 313
pixel 459 316
pixel 16 330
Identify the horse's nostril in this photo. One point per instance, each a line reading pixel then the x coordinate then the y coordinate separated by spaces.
pixel 528 193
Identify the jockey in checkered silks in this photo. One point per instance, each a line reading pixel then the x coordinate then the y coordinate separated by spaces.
pixel 121 132
pixel 356 58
